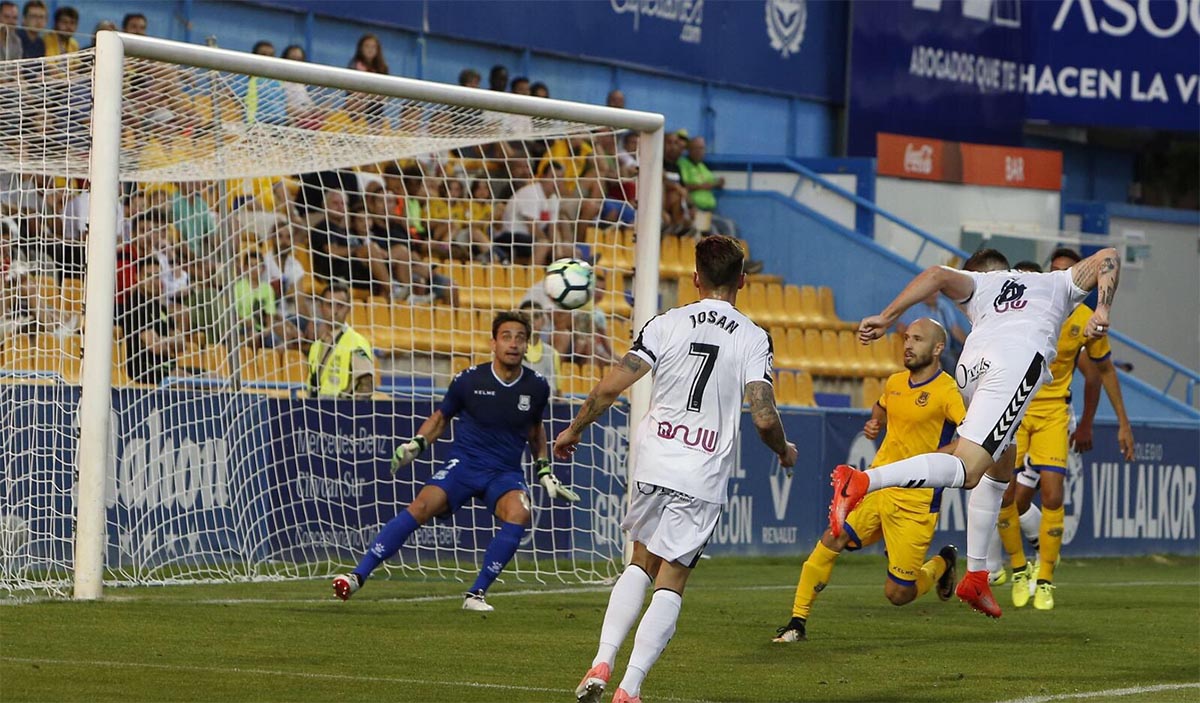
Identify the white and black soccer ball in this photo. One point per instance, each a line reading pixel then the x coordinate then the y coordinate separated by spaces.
pixel 569 283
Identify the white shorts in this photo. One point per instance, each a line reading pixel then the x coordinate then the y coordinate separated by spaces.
pixel 997 389
pixel 674 526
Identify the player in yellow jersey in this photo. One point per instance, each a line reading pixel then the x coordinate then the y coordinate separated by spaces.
pixel 920 409
pixel 1043 442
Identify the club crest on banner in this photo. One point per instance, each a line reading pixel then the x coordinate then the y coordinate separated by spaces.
pixel 786 20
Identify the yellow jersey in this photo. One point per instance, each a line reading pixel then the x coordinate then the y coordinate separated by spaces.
pixel 1070 341
pixel 920 419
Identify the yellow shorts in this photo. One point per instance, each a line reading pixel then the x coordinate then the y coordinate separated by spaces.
pixel 1044 437
pixel 906 534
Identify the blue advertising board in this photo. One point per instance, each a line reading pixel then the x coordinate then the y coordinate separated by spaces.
pixel 976 70
pixel 791 46
pixel 198 478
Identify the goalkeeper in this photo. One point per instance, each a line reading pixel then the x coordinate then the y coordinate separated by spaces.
pixel 499 406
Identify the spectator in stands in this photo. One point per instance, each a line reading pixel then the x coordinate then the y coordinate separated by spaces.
pixel 616 181
pixel 481 216
pixel 615 98
pixel 70 251
pixel 102 26
pixel 254 302
pixel 22 309
pixel 539 90
pixel 62 39
pixel 700 184
pixel 938 308
pixel 300 104
pixel 151 236
pixel 34 18
pixel 520 85
pixel 676 218
pixel 498 78
pixel 341 362
pixel 581 193
pixel 262 47
pixel 10 41
pixel 148 332
pixel 134 23
pixel 469 78
pixel 193 216
pixel 347 237
pixel 368 55
pixel 540 355
pixel 531 222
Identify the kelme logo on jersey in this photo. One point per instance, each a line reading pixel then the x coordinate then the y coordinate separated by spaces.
pixel 523 403
pixel 1010 297
pixel 704 439
pixel 786 20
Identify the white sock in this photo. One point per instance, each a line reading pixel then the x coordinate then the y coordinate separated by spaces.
pixel 1031 524
pixel 995 553
pixel 920 471
pixel 653 634
pixel 624 606
pixel 983 509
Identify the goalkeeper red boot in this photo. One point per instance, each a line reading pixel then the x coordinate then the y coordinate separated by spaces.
pixel 975 592
pixel 622 697
pixel 345 586
pixel 849 488
pixel 591 688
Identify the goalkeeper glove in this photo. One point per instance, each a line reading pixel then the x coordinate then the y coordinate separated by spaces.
pixel 550 482
pixel 405 453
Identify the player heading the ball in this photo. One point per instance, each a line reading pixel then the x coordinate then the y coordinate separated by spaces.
pixel 500 407
pixel 705 358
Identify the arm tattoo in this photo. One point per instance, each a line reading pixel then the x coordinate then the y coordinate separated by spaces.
pixel 591 411
pixel 1110 273
pixel 761 397
pixel 632 363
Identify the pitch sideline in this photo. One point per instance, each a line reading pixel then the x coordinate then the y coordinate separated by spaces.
pixel 1084 695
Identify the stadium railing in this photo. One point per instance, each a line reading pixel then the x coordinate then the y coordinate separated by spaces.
pixel 930 249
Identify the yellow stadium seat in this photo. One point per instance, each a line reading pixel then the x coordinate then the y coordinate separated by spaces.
pixel 668 257
pixel 804 390
pixel 459 364
pixel 779 340
pixel 818 357
pixel 841 352
pixel 810 308
pixel 72 296
pixel 756 303
pixel 687 257
pixel 872 388
pixel 774 313
pixel 785 387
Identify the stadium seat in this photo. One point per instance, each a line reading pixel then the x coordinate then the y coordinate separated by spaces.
pixel 785 387
pixel 72 290
pixel 779 340
pixel 829 311
pixel 775 312
pixel 687 257
pixel 804 390
pixel 810 308
pixel 816 359
pixel 458 364
pixel 872 388
pixel 756 303
pixel 847 355
pixel 621 332
pixel 668 257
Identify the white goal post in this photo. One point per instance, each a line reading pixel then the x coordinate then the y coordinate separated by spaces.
pixel 110 83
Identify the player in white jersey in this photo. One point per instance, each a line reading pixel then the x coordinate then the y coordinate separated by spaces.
pixel 706 357
pixel 1016 318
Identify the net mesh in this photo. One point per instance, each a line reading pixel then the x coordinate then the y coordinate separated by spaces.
pixel 258 222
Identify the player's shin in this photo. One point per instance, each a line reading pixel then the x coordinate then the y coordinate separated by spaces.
pixel 388 542
pixel 921 471
pixel 1050 542
pixel 653 634
pixel 813 579
pixel 1010 534
pixel 983 508
pixel 624 606
pixel 501 550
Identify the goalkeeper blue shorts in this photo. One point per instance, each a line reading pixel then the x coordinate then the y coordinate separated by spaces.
pixel 462 483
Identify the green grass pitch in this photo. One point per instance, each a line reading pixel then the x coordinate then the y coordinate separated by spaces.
pixel 1124 629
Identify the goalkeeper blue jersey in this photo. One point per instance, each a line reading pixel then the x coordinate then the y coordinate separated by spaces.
pixel 494 419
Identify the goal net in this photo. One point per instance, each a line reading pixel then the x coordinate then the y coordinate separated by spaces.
pixel 242 216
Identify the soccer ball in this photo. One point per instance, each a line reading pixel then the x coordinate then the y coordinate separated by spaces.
pixel 569 283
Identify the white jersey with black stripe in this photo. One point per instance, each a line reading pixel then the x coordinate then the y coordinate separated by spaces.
pixel 702 356
pixel 1020 310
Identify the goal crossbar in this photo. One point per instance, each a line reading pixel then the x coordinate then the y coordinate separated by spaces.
pixel 104 173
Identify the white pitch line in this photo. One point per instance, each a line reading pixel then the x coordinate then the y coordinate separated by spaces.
pixel 1132 691
pixel 306 675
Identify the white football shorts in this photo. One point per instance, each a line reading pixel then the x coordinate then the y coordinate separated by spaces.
pixel 997 388
pixel 672 525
